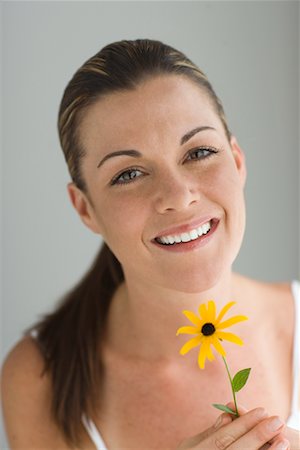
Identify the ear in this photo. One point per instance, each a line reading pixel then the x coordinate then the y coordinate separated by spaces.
pixel 84 207
pixel 239 158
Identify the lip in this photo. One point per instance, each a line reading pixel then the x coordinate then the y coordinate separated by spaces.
pixel 191 245
pixel 185 227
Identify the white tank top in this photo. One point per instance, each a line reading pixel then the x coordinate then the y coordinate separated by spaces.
pixel 293 420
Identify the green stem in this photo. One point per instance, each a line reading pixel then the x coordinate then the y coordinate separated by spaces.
pixel 233 393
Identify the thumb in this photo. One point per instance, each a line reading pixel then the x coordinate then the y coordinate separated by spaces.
pixel 223 419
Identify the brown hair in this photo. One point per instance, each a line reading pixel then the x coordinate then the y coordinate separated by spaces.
pixel 70 336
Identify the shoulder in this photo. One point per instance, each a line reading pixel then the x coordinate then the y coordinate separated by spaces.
pixel 278 300
pixel 263 290
pixel 22 370
pixel 24 354
pixel 26 398
pixel 280 296
pixel 272 301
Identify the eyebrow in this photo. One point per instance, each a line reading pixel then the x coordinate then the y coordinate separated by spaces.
pixel 137 154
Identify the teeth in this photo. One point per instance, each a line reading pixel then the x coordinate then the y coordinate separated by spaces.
pixel 200 231
pixel 171 239
pixel 185 237
pixel 205 227
pixel 194 234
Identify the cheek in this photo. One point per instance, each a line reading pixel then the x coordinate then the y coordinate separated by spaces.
pixel 223 183
pixel 226 187
pixel 123 217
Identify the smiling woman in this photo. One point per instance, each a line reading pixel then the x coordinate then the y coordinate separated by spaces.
pixel 158 174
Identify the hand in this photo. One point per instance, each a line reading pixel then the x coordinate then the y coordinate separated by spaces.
pixel 287 433
pixel 291 435
pixel 252 430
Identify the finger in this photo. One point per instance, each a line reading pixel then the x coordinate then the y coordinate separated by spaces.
pixel 260 434
pixel 280 444
pixel 227 435
pixel 280 436
pixel 277 439
pixel 222 420
pixel 241 409
pixel 234 431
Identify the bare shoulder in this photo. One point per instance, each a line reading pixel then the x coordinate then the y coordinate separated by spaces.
pixel 272 300
pixel 23 360
pixel 26 400
pixel 273 291
pixel 281 294
pixel 275 302
pixel 279 298
pixel 21 373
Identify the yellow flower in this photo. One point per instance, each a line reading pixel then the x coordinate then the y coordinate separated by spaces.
pixel 209 332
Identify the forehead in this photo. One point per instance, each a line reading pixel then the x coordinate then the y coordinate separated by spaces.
pixel 156 108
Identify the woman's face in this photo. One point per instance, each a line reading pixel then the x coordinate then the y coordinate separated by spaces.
pixel 178 177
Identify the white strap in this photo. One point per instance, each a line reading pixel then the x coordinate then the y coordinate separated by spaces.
pixel 93 433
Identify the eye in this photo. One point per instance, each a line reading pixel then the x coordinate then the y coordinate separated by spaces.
pixel 201 153
pixel 128 176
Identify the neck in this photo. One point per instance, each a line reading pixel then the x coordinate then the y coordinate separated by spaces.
pixel 144 318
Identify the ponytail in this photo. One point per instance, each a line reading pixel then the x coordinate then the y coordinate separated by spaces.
pixel 69 340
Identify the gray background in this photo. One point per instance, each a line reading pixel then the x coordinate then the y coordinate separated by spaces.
pixel 250 52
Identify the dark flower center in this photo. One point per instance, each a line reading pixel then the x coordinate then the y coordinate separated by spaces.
pixel 208 329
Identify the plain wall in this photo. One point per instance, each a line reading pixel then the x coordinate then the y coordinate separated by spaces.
pixel 250 52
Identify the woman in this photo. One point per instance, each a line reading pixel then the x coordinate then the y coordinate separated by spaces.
pixel 152 162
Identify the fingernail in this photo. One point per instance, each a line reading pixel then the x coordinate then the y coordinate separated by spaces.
pixel 218 422
pixel 284 445
pixel 275 424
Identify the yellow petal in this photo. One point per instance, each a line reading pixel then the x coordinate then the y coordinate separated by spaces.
pixel 210 354
pixel 211 311
pixel 231 321
pixel 203 353
pixel 229 337
pixel 190 344
pixel 187 330
pixel 193 318
pixel 203 312
pixel 224 311
pixel 217 344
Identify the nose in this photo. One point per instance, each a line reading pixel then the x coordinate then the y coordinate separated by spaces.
pixel 175 192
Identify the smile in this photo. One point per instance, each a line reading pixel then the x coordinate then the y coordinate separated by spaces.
pixel 188 236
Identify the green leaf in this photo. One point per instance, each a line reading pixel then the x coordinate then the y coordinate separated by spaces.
pixel 240 379
pixel 224 408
